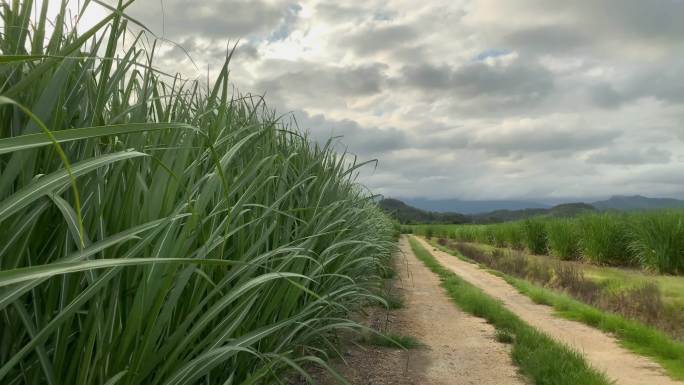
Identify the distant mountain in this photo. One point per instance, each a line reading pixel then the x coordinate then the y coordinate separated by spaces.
pixel 472 207
pixel 637 202
pixel 562 210
pixel 406 214
pixel 497 216
pixel 458 211
pixel 570 209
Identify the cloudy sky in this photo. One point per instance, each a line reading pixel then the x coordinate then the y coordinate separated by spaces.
pixel 472 99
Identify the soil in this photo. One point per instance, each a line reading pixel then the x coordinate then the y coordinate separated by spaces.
pixel 457 348
pixel 601 350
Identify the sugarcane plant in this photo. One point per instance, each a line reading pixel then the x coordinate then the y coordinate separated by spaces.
pixel 158 230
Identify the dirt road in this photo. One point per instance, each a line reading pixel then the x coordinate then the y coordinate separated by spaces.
pixel 601 350
pixel 459 348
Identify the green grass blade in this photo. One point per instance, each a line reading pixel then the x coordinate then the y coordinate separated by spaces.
pixel 56 181
pixel 24 142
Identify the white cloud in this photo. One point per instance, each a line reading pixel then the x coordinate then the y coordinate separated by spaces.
pixel 471 99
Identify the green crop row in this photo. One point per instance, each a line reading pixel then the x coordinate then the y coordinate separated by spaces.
pixel 651 240
pixel 160 231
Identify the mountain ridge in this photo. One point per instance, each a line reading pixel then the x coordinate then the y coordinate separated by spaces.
pixel 474 207
pixel 407 213
pixel 470 207
pixel 637 202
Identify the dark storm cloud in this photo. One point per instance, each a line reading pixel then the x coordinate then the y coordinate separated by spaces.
pixel 339 13
pixel 373 141
pixel 409 53
pixel 622 156
pixel 540 138
pixel 211 18
pixel 605 96
pixel 436 136
pixel 479 78
pixel 662 175
pixel 248 51
pixel 368 141
pixel 505 87
pixel 658 21
pixel 662 82
pixel 665 82
pixel 196 53
pixel 375 39
pixel 320 82
pixel 547 39
pixel 427 77
pixel 544 97
pixel 183 49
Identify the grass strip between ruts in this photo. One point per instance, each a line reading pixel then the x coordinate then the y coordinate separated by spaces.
pixel 538 357
pixel 633 335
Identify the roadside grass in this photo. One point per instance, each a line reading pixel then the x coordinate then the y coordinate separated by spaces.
pixel 388 272
pixel 563 237
pixel 392 340
pixel 671 287
pixel 633 335
pixel 504 234
pixel 652 241
pixel 159 230
pixel 504 336
pixel 394 302
pixel 535 235
pixel 616 278
pixel 658 241
pixel 539 357
pixel 604 239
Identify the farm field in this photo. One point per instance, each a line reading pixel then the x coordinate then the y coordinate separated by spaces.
pixel 671 287
pixel 452 344
pixel 160 231
pixel 600 350
pixel 644 309
pixel 652 241
pixel 635 315
pixel 636 293
pixel 544 346
pixel 162 225
pixel 615 278
pixel 630 235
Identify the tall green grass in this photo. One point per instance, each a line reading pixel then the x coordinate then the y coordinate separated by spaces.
pixel 604 239
pixel 159 231
pixel 658 241
pixel 534 231
pixel 638 327
pixel 507 235
pixel 651 240
pixel 637 337
pixel 514 235
pixel 540 358
pixel 563 238
pixel 497 235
